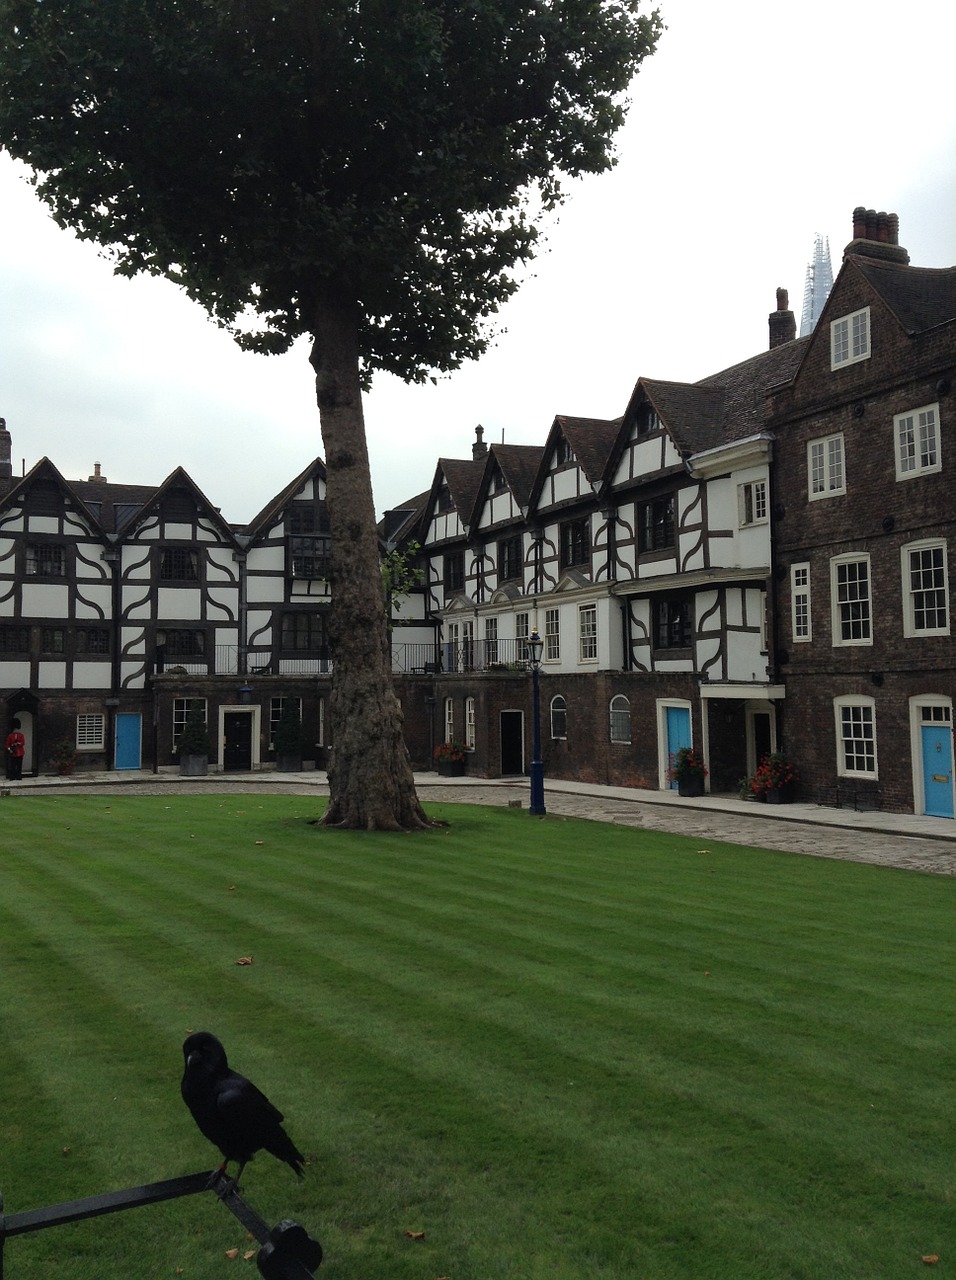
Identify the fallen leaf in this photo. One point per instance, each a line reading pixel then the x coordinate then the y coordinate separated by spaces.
pixel 930 1258
pixel 260 842
pixel 244 960
pixel 231 888
pixel 249 1253
pixel 232 1253
pixel 415 1235
pixel 66 1151
pixel 703 851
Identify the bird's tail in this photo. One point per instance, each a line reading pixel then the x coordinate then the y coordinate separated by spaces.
pixel 285 1149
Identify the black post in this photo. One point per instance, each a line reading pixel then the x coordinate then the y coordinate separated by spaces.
pixel 536 808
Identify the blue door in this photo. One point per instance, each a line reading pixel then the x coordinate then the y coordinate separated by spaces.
pixel 938 769
pixel 678 733
pixel 129 732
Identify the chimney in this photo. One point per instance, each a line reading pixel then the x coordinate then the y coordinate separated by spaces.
pixel 6 449
pixel 96 474
pixel 783 324
pixel 876 235
pixel 479 449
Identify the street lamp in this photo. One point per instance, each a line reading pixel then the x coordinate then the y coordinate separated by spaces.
pixel 535 648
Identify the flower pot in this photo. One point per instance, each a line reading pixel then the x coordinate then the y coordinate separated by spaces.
pixel 288 761
pixel 778 795
pixel 193 766
pixel 690 786
pixel 451 768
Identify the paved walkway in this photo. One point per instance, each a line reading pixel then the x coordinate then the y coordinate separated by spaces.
pixel 887 839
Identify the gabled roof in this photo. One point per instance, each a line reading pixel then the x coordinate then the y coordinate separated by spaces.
pixel 117 504
pixel 463 477
pixel 401 522
pixel 47 470
pixel 182 479
pixel 277 505
pixel 920 297
pixel 519 465
pixel 592 440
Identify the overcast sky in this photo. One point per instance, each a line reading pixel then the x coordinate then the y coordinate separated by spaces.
pixel 755 126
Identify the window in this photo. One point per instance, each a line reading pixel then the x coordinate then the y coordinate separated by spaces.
pixel 89 732
pixel 449 720
pixel 752 502
pixel 917 442
pixel 491 640
pixel 14 639
pixel 657 528
pixel 454 571
pixel 178 564
pixel 559 717
pixel 850 595
pixel 509 558
pixel 445 502
pixel 620 714
pixel 53 640
pixel 497 480
pixel 552 635
pixel 800 603
pixel 181 709
pixel 672 623
pixel 276 708
pixel 563 453
pixel 856 737
pixel 470 724
pixel 307 517
pixel 308 554
pixel 184 642
pixel 825 469
pixel 522 632
pixel 92 641
pixel 647 420
pixel 925 590
pixel 850 339
pixel 303 633
pixel 46 560
pixel 587 633
pixel 575 542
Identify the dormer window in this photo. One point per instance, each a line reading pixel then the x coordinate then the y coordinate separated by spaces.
pixel 498 482
pixel 850 339
pixel 444 498
pixel 647 420
pixel 563 453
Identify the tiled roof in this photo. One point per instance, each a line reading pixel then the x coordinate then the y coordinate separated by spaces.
pixel 114 505
pixel 463 476
pixel 592 440
pixel 920 297
pixel 519 465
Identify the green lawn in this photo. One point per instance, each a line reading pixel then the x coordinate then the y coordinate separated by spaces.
pixel 559 1049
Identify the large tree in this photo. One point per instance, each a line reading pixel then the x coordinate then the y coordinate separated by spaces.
pixel 367 172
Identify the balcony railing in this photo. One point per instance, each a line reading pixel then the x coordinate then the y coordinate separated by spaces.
pixel 489 656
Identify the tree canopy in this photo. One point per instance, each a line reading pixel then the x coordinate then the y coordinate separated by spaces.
pixel 259 151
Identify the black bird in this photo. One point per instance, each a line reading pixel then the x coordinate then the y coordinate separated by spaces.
pixel 229 1110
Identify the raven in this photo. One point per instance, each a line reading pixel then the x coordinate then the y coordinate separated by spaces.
pixel 229 1110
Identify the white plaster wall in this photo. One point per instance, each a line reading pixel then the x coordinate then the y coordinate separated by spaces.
pixel 47 601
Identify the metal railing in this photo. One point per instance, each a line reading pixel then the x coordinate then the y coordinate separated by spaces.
pixel 287 1251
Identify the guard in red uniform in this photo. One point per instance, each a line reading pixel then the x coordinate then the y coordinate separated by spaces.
pixel 16 745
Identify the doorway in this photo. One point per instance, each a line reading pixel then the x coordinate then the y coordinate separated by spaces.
pixel 129 737
pixel 933 756
pixel 673 728
pixel 236 741
pixel 512 743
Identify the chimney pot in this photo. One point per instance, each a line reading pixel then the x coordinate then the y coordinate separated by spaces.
pixel 783 323
pixel 859 223
pixel 783 300
pixel 479 449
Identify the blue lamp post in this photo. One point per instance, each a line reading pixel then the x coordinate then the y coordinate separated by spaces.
pixel 535 648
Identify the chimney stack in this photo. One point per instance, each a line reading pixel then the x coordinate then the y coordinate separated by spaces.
pixel 6 450
pixel 479 449
pixel 876 235
pixel 783 323
pixel 96 474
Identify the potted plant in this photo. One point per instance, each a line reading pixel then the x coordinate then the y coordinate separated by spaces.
pixel 450 759
pixel 193 746
pixel 63 758
pixel 776 779
pixel 687 770
pixel 288 738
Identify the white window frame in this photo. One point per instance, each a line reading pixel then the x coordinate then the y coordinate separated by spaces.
pixel 587 633
pixel 910 629
pixel 469 724
pixel 552 635
pixel 90 731
pixel 522 632
pixel 491 641
pixel 181 710
pixel 276 708
pixel 837 606
pixel 559 704
pixel 851 702
pixel 619 719
pixel 753 504
pixel 831 486
pixel 449 719
pixel 850 339
pixel 916 442
pixel 800 611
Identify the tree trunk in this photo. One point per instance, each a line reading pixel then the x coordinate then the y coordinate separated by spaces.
pixel 371 786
